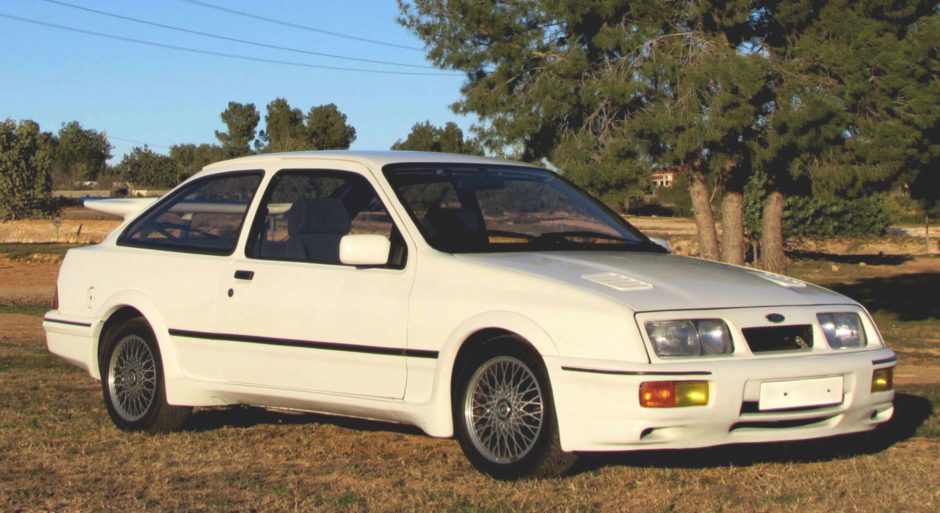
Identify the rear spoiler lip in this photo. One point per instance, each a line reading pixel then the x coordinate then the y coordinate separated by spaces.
pixel 122 207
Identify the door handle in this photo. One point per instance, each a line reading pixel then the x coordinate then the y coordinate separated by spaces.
pixel 244 275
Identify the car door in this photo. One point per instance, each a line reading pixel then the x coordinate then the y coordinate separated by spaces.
pixel 174 255
pixel 293 315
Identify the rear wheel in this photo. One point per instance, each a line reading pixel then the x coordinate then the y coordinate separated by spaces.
pixel 504 415
pixel 132 381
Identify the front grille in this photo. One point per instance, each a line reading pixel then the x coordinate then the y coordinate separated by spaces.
pixel 781 424
pixel 779 338
pixel 754 407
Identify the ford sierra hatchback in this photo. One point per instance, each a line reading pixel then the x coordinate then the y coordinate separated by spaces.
pixel 475 298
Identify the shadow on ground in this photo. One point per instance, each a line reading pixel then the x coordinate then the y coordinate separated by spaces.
pixel 912 297
pixel 879 259
pixel 910 412
pixel 249 416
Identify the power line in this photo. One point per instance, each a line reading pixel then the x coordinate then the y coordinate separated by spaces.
pixel 233 39
pixel 219 54
pixel 137 142
pixel 301 27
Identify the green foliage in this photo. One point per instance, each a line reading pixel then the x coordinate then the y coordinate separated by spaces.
pixel 287 129
pixel 613 171
pixel 605 90
pixel 283 128
pixel 241 121
pixel 190 158
pixel 677 196
pixel 426 137
pixel 80 154
pixel 145 168
pixel 855 105
pixel 821 216
pixel 326 129
pixel 754 195
pixel 26 156
pixel 817 218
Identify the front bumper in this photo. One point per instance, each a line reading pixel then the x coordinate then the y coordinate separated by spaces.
pixel 598 408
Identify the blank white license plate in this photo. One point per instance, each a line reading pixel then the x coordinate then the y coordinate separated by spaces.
pixel 800 393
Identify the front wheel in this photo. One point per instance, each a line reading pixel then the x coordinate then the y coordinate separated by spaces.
pixel 504 415
pixel 132 381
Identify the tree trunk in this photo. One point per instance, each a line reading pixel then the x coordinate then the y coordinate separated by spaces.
pixel 704 218
pixel 771 242
pixel 732 227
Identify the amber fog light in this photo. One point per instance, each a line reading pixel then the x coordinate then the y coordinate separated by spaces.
pixel 882 380
pixel 671 394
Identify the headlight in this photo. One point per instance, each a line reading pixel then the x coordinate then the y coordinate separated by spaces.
pixel 692 337
pixel 842 329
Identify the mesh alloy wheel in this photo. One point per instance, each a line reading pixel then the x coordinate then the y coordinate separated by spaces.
pixel 503 409
pixel 132 378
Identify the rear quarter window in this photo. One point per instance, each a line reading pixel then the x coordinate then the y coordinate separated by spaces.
pixel 204 216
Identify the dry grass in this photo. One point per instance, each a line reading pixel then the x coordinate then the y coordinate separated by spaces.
pixel 59 451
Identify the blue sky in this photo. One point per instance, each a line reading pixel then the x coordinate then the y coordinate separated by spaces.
pixel 161 96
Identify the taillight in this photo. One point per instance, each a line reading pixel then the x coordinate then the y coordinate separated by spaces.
pixel 55 298
pixel 882 380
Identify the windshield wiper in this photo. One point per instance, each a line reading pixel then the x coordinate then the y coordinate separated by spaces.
pixel 584 234
pixel 507 233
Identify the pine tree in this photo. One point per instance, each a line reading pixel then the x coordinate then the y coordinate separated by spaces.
pixel 241 122
pixel 855 103
pixel 606 91
pixel 326 129
pixel 806 96
pixel 283 128
pixel 450 139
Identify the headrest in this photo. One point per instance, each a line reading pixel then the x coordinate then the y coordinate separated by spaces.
pixel 317 215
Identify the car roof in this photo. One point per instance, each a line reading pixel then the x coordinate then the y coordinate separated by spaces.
pixel 375 159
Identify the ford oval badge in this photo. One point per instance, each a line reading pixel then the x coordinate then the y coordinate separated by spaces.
pixel 775 318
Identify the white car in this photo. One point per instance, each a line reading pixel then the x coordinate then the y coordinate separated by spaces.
pixel 477 298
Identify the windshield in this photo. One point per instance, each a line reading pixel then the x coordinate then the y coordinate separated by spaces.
pixel 479 208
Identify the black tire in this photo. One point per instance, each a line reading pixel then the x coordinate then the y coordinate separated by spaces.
pixel 132 380
pixel 506 423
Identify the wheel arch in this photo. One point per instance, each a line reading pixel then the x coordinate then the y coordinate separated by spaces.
pixel 119 314
pixel 470 335
pixel 475 342
pixel 129 304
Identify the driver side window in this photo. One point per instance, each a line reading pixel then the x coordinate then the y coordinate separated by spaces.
pixel 305 214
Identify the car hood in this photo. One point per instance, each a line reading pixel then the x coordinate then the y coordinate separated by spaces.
pixel 655 281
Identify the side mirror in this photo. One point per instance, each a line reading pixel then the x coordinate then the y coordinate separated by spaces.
pixel 364 249
pixel 662 243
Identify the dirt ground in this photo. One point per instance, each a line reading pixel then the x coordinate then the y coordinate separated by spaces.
pixel 31 283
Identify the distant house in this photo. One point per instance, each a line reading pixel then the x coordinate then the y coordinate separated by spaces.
pixel 663 177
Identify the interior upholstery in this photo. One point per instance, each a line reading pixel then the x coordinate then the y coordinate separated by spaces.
pixel 315 227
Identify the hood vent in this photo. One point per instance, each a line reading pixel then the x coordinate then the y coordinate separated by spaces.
pixel 617 281
pixel 783 281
